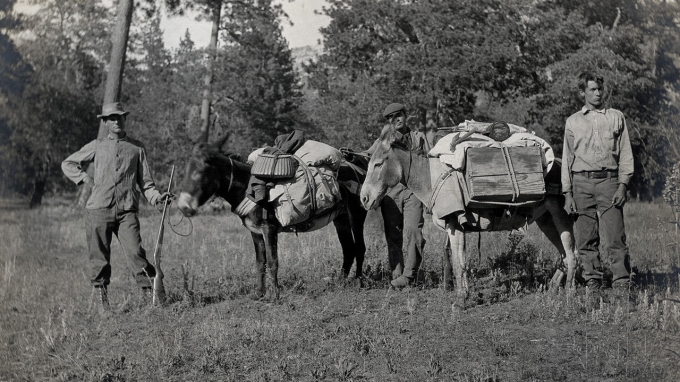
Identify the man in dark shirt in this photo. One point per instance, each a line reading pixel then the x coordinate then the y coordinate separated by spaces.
pixel 120 171
pixel 401 210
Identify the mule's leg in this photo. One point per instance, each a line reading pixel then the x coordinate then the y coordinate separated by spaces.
pixel 270 235
pixel 546 225
pixel 357 217
pixel 344 230
pixel 447 278
pixel 565 226
pixel 457 239
pixel 260 261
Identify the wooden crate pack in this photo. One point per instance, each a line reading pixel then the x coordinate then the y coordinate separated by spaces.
pixel 504 175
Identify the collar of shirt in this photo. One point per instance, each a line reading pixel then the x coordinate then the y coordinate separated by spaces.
pixel 111 137
pixel 585 110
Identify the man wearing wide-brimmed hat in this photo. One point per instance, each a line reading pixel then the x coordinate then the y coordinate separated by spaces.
pixel 120 166
pixel 401 210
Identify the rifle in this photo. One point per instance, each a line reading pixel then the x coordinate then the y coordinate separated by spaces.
pixel 158 288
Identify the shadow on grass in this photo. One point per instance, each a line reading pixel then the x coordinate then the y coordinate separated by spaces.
pixel 651 279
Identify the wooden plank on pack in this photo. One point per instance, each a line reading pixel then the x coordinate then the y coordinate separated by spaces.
pixel 490 177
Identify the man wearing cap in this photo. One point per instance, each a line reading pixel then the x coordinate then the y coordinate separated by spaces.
pixel 597 166
pixel 401 210
pixel 120 166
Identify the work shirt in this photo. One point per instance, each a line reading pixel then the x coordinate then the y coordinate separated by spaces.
pixel 596 140
pixel 414 141
pixel 120 172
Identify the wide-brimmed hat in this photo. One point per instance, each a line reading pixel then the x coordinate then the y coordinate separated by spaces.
pixel 393 108
pixel 112 108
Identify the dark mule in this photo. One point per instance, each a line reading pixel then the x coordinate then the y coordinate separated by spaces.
pixel 212 172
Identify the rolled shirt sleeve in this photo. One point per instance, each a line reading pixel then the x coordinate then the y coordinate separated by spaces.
pixel 567 158
pixel 74 164
pixel 145 180
pixel 626 161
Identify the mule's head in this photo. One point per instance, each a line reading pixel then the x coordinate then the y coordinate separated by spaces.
pixel 384 171
pixel 202 178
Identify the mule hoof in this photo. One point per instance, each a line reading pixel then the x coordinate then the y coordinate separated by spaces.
pixel 354 282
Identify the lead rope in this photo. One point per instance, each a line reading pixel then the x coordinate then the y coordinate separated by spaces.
pixel 180 220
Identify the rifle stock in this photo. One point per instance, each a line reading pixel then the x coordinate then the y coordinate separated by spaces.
pixel 158 288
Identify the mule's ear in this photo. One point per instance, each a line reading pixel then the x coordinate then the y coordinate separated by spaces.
pixel 387 136
pixel 220 142
pixel 236 157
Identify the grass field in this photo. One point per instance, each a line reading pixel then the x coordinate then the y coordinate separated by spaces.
pixel 321 329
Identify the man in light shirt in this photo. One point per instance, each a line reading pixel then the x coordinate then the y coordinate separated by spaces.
pixel 120 171
pixel 597 168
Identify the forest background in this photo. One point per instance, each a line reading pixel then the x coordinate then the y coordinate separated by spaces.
pixel 510 60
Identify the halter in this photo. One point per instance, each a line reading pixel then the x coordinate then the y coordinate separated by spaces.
pixel 231 180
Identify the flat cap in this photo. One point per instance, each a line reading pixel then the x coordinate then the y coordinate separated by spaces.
pixel 393 108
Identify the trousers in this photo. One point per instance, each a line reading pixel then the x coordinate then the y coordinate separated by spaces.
pixel 102 224
pixel 402 214
pixel 604 228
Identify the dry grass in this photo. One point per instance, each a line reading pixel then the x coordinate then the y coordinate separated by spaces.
pixel 50 327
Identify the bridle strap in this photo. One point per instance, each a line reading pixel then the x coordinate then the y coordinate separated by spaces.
pixel 231 175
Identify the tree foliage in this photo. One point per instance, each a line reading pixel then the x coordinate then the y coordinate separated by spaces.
pixel 256 87
pixel 513 60
pixel 65 46
pixel 162 90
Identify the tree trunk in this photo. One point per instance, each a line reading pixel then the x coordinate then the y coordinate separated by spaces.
pixel 208 79
pixel 114 77
pixel 119 40
pixel 42 173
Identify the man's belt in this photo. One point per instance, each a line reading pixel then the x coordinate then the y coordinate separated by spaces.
pixel 599 174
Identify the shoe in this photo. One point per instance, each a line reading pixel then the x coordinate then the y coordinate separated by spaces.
pixel 594 284
pixel 402 282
